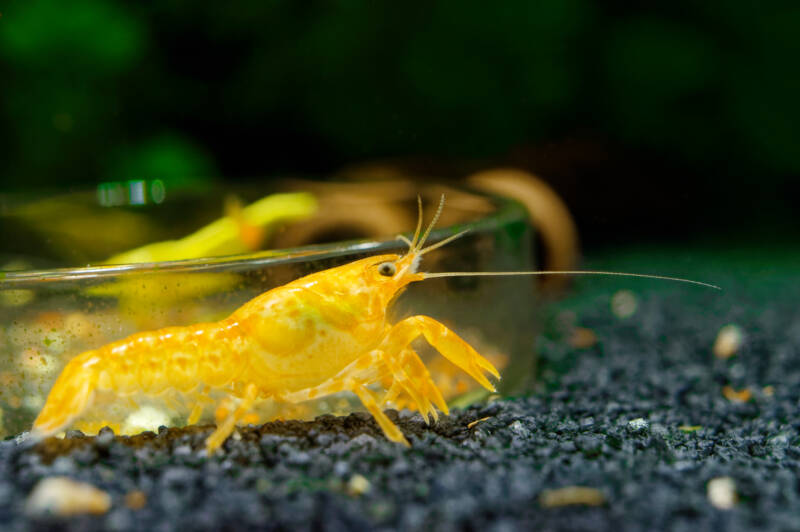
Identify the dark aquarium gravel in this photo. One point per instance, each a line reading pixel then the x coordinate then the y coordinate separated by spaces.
pixel 640 416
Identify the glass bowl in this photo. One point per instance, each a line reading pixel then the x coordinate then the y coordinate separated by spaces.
pixel 52 308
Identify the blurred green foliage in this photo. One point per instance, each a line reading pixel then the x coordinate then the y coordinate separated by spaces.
pixel 96 90
pixel 46 35
pixel 169 158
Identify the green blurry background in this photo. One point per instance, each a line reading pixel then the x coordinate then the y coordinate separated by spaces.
pixel 650 121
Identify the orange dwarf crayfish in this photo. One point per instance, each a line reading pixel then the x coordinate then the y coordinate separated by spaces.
pixel 322 334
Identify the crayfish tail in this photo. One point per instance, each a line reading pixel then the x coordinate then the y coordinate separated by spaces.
pixel 71 395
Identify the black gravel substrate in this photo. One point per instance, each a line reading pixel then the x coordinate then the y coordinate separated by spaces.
pixel 621 416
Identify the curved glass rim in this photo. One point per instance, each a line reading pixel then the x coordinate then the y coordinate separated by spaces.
pixel 505 209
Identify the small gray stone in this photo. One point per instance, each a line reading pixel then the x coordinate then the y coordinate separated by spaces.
pixel 104 438
pixel 638 425
pixel 341 469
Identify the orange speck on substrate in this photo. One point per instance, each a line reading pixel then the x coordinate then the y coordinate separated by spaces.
pixel 135 500
pixel 481 420
pixel 740 396
pixel 571 496
pixel 582 338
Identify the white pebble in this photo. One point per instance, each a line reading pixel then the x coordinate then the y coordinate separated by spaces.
pixel 624 304
pixel 63 496
pixel 519 429
pixel 145 418
pixel 729 341
pixel 358 485
pixel 722 492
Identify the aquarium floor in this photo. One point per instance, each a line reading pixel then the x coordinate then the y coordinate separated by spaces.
pixel 640 416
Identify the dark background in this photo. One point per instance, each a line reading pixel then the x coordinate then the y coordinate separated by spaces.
pixel 653 121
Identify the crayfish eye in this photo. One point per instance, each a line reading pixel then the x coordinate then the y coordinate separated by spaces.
pixel 387 268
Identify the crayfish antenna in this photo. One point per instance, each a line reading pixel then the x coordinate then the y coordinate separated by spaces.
pixel 416 244
pixel 575 272
pixel 413 244
pixel 431 225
